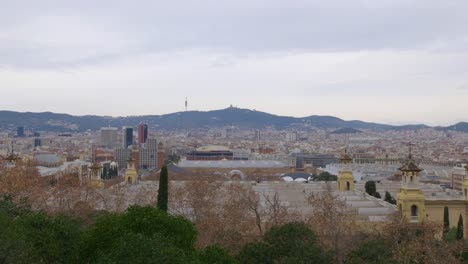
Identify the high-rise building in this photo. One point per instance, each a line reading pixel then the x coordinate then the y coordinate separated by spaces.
pixel 108 136
pixel 37 142
pixel 148 156
pixel 127 137
pixel 20 131
pixel 142 133
pixel 257 134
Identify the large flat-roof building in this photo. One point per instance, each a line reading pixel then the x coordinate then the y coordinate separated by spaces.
pixel 211 153
pixel 316 160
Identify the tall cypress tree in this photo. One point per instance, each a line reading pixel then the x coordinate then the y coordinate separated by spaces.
pixel 163 190
pixel 460 228
pixel 446 220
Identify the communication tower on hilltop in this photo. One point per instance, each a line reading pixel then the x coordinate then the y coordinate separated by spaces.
pixel 186 104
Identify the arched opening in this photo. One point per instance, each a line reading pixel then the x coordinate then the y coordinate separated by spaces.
pixel 411 179
pixel 465 192
pixel 414 210
pixel 400 207
pixel 347 186
pixel 129 180
pixel 414 214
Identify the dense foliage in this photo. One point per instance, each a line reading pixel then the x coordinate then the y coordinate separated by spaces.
pixel 144 234
pixel 140 235
pixel 290 243
pixel 373 251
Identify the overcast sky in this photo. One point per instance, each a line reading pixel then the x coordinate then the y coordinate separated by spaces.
pixel 384 61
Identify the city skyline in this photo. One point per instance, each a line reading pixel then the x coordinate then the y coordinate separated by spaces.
pixel 395 62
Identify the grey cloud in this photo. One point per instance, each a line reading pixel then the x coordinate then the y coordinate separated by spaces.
pixel 235 27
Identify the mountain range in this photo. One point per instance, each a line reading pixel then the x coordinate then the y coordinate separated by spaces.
pixel 242 118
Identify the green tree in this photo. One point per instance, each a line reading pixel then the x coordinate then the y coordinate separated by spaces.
pixel 50 239
pixel 13 246
pixel 373 251
pixel 28 236
pixel 215 255
pixel 451 235
pixel 256 252
pixel 389 198
pixel 289 243
pixel 370 188
pixel 460 228
pixel 377 195
pixel 446 221
pixel 140 235
pixel 163 189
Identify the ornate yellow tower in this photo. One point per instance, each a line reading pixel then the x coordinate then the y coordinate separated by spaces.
pixel 131 175
pixel 345 176
pixel 410 199
pixel 465 183
pixel 95 180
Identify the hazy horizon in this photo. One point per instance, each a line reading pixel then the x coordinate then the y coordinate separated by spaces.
pixel 195 110
pixel 394 62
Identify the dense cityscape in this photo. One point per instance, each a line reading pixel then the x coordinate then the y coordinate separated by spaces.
pixel 234 131
pixel 277 176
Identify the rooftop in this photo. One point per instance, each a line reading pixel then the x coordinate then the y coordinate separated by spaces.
pixel 231 164
pixel 213 148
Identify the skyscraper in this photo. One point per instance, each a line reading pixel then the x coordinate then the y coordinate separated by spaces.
pixel 142 133
pixel 127 137
pixel 108 136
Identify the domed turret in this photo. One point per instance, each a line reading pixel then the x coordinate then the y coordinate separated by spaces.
pixel 410 199
pixel 410 170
